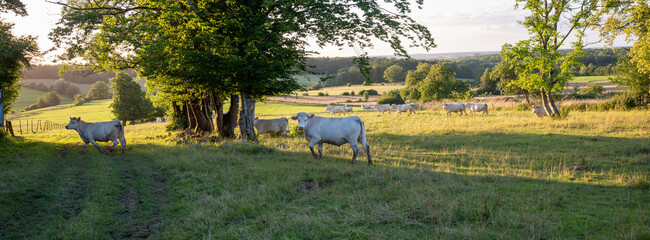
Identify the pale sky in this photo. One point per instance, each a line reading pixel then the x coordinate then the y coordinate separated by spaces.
pixel 456 26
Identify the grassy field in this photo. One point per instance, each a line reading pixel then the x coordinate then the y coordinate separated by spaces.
pixel 593 79
pixel 356 88
pixel 28 97
pixel 507 175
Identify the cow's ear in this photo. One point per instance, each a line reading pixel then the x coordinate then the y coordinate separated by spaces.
pixel 294 117
pixel 311 115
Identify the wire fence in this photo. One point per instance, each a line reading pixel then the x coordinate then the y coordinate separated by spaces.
pixel 32 126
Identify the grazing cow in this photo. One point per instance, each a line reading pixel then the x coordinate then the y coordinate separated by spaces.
pixel 335 109
pixel 271 125
pixel 347 110
pixel 454 107
pixel 408 107
pixel 336 131
pixel 382 108
pixel 477 107
pixel 540 111
pixel 367 107
pixel 99 131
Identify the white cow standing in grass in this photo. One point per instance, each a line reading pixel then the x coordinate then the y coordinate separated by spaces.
pixel 454 107
pixel 407 107
pixel 335 130
pixel 383 108
pixel 347 110
pixel 367 107
pixel 98 132
pixel 540 111
pixel 335 109
pixel 477 107
pixel 271 125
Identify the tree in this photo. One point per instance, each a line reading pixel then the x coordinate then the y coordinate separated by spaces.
pixel 638 83
pixel 79 99
pixel 15 54
pixel 99 91
pixel 46 100
pixel 504 74
pixel 537 61
pixel 441 83
pixel 629 18
pixel 129 101
pixel 250 48
pixel 394 73
pixel 488 84
pixel 391 97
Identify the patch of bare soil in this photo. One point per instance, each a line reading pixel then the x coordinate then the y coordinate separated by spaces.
pixel 62 151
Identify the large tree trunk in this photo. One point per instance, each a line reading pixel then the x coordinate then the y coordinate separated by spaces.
pixel 548 104
pixel 218 111
pixel 178 120
pixel 247 118
pixel 230 118
pixel 549 97
pixel 198 120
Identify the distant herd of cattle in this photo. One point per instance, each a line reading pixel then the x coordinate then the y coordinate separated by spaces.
pixel 318 130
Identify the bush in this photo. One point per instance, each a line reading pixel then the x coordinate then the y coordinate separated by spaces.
pixel 371 92
pixel 522 107
pixel 352 93
pixel 345 94
pixel 305 94
pixel 321 94
pixel 327 94
pixel 593 88
pixel 98 91
pixel 348 100
pixel 348 84
pixel 79 99
pixel 65 88
pixel 391 97
pixel 365 96
pixel 316 86
pixel 47 100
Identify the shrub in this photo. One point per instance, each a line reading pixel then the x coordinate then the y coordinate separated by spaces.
pixel 47 100
pixel 79 99
pixel 98 91
pixel 365 96
pixel 593 88
pixel 316 86
pixel 65 88
pixel 522 107
pixel 348 100
pixel 391 97
pixel 352 93
pixel 371 92
pixel 327 94
pixel 345 94
pixel 348 84
pixel 305 94
pixel 321 94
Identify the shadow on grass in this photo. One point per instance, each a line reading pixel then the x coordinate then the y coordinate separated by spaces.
pixel 195 191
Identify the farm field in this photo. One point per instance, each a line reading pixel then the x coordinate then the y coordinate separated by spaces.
pixel 83 88
pixel 28 97
pixel 507 175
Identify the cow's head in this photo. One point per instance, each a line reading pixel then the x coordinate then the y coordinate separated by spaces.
pixel 74 121
pixel 444 106
pixel 303 119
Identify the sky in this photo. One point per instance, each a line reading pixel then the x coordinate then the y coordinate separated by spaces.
pixel 456 26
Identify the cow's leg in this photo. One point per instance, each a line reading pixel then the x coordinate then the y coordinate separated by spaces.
pixel 122 142
pixel 355 150
pixel 96 145
pixel 114 144
pixel 320 151
pixel 313 143
pixel 85 146
pixel 366 149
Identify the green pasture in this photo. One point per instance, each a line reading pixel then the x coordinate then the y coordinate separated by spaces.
pixel 334 91
pixel 28 97
pixel 83 88
pixel 593 79
pixel 505 175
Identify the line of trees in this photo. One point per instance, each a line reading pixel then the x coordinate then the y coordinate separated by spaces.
pixel 239 51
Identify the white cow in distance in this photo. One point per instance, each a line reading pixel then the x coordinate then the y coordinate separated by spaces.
pixel 477 107
pixel 540 111
pixel 407 107
pixel 271 125
pixel 333 130
pixel 382 108
pixel 347 110
pixel 98 132
pixel 454 107
pixel 335 109
pixel 367 107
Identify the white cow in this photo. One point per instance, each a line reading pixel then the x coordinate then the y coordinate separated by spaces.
pixel 540 111
pixel 382 108
pixel 454 107
pixel 367 107
pixel 335 109
pixel 271 125
pixel 407 107
pixel 336 131
pixel 477 107
pixel 347 110
pixel 99 131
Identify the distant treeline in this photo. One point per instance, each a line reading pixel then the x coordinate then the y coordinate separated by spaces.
pixel 598 62
pixel 52 72
pixel 60 86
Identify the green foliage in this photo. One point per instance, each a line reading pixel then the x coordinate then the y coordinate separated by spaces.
pixel 305 94
pixel 348 84
pixel 47 100
pixel 352 93
pixel 394 73
pixel 79 99
pixel 98 91
pixel 345 94
pixel 366 96
pixel 433 82
pixel 129 101
pixel 15 55
pixel 315 86
pixel 489 84
pixel 321 94
pixel 593 88
pixel 391 97
pixel 370 92
pixel 65 88
pixel 638 92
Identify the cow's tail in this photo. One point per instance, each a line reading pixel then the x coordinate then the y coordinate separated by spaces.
pixel 120 130
pixel 364 141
